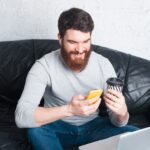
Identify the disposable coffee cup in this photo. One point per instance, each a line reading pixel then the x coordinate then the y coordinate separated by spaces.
pixel 115 84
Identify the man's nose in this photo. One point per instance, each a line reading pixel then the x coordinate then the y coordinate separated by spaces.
pixel 80 48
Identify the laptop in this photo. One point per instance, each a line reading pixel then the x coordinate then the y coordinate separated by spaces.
pixel 137 140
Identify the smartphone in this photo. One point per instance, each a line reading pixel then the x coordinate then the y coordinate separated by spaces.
pixel 94 93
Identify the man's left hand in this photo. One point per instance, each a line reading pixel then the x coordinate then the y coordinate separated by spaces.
pixel 115 101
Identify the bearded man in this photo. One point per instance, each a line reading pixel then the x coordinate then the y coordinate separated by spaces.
pixel 64 77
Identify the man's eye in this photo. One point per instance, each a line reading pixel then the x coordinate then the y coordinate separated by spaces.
pixel 72 42
pixel 86 41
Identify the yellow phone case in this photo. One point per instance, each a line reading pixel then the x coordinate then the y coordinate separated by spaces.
pixel 94 93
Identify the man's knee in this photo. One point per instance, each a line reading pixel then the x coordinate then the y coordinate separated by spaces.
pixel 34 133
pixel 40 132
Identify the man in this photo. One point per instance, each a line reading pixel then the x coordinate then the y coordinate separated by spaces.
pixel 63 78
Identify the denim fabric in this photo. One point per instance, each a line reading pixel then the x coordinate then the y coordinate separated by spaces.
pixel 59 134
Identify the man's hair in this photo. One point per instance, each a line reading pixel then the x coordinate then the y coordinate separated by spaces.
pixel 76 19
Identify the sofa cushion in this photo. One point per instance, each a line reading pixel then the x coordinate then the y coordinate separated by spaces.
pixel 13 139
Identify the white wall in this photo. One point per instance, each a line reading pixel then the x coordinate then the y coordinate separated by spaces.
pixel 119 24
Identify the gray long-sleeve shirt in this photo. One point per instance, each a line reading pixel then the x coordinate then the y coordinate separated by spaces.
pixel 52 79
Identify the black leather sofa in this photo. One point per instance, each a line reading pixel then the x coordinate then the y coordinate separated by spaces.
pixel 17 57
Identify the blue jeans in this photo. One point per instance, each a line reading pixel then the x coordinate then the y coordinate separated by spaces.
pixel 59 134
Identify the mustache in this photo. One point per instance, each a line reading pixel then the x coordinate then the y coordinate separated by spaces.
pixel 76 52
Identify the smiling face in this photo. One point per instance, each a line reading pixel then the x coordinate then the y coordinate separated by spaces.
pixel 75 49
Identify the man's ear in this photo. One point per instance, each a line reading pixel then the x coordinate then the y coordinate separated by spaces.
pixel 59 38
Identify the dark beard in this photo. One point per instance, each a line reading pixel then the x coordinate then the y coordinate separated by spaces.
pixel 76 64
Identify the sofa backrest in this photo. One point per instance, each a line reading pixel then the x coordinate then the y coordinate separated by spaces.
pixel 17 57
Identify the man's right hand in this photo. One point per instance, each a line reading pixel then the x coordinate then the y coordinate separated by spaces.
pixel 79 106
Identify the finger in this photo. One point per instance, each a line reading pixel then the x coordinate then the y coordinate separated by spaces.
pixel 96 104
pixel 115 93
pixel 92 108
pixel 112 108
pixel 112 102
pixel 91 101
pixel 80 97
pixel 88 102
pixel 112 97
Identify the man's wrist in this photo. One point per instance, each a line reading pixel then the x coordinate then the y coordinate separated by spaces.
pixel 123 117
pixel 124 114
pixel 67 110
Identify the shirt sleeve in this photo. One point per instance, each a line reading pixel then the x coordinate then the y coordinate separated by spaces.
pixel 113 119
pixel 36 82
